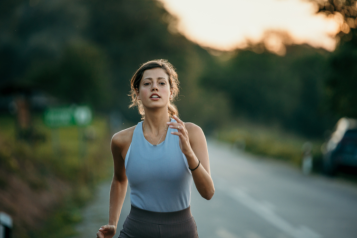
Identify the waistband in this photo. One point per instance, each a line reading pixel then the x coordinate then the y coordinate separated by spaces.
pixel 159 217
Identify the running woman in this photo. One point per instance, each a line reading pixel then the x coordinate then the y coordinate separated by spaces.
pixel 159 157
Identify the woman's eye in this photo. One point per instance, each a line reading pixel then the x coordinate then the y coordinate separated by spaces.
pixel 146 84
pixel 162 83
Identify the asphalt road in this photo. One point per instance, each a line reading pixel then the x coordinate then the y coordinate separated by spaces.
pixel 255 198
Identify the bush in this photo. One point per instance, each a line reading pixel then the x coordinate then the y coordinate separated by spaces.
pixel 268 142
pixel 50 187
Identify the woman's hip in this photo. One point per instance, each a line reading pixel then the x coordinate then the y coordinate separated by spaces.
pixel 142 223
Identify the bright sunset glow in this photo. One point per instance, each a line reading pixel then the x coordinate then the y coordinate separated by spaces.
pixel 229 24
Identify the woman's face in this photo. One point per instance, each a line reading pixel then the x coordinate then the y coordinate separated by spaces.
pixel 154 88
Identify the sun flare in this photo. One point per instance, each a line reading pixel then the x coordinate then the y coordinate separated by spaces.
pixel 230 24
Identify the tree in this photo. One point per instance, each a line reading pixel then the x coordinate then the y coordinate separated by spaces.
pixel 79 76
pixel 341 83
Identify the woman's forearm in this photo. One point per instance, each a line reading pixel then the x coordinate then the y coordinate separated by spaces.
pixel 117 195
pixel 201 177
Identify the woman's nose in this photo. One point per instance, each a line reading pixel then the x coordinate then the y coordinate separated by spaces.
pixel 154 86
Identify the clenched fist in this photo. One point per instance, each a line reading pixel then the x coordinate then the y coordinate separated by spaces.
pixel 107 231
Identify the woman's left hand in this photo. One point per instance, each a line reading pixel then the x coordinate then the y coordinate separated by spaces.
pixel 183 135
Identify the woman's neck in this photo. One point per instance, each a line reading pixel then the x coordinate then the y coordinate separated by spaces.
pixel 156 122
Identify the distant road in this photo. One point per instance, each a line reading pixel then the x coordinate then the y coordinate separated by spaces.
pixel 255 198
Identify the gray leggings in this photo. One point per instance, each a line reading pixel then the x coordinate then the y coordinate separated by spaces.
pixel 146 224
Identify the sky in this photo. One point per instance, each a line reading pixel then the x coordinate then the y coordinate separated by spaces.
pixel 230 24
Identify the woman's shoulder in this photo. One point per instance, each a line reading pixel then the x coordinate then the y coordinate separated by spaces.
pixel 123 138
pixel 195 132
pixel 192 127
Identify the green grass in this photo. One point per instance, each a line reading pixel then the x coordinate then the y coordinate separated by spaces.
pixel 36 163
pixel 268 142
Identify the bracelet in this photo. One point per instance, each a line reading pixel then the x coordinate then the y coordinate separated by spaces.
pixel 196 167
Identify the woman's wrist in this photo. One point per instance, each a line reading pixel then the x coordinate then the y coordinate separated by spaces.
pixel 192 160
pixel 199 162
pixel 112 225
pixel 190 155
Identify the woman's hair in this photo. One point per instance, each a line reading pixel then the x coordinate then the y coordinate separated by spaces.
pixel 173 80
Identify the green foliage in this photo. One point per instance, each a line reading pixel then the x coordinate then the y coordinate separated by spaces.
pixel 86 52
pixel 267 142
pixel 61 222
pixel 342 82
pixel 342 71
pixel 270 89
pixel 58 185
pixel 101 44
pixel 79 76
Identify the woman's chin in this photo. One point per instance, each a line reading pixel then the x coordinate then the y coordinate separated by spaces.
pixel 154 106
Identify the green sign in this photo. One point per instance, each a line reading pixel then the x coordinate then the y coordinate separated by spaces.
pixel 67 116
pixel 82 116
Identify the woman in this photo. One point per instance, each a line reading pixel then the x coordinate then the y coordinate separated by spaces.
pixel 159 157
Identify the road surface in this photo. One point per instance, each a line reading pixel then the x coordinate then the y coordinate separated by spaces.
pixel 255 198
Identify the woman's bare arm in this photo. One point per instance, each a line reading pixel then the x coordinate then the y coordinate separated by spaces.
pixel 119 183
pixel 202 175
pixel 119 147
pixel 194 146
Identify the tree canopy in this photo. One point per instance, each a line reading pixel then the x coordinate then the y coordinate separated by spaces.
pixel 87 51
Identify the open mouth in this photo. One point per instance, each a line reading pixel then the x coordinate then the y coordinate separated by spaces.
pixel 155 96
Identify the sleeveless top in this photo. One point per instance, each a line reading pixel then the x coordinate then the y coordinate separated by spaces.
pixel 159 177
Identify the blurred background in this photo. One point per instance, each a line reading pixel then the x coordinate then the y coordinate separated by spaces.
pixel 272 79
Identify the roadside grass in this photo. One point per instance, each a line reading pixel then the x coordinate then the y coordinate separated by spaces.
pixel 37 165
pixel 269 142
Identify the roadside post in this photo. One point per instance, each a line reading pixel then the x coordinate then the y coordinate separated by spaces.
pixel 5 225
pixel 55 118
pixel 80 116
pixel 307 164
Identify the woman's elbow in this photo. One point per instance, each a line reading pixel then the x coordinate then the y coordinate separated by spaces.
pixel 209 194
pixel 120 180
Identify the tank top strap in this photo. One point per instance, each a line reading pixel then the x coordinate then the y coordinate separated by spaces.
pixel 136 136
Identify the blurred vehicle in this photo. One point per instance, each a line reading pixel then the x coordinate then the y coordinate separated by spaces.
pixel 341 149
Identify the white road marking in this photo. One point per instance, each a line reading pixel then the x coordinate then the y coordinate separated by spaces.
pixel 264 210
pixel 252 234
pixel 224 233
pixel 268 205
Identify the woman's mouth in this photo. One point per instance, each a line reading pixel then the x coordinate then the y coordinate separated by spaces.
pixel 155 97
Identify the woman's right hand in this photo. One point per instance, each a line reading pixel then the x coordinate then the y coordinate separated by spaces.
pixel 107 231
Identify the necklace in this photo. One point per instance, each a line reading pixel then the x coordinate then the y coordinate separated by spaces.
pixel 160 136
